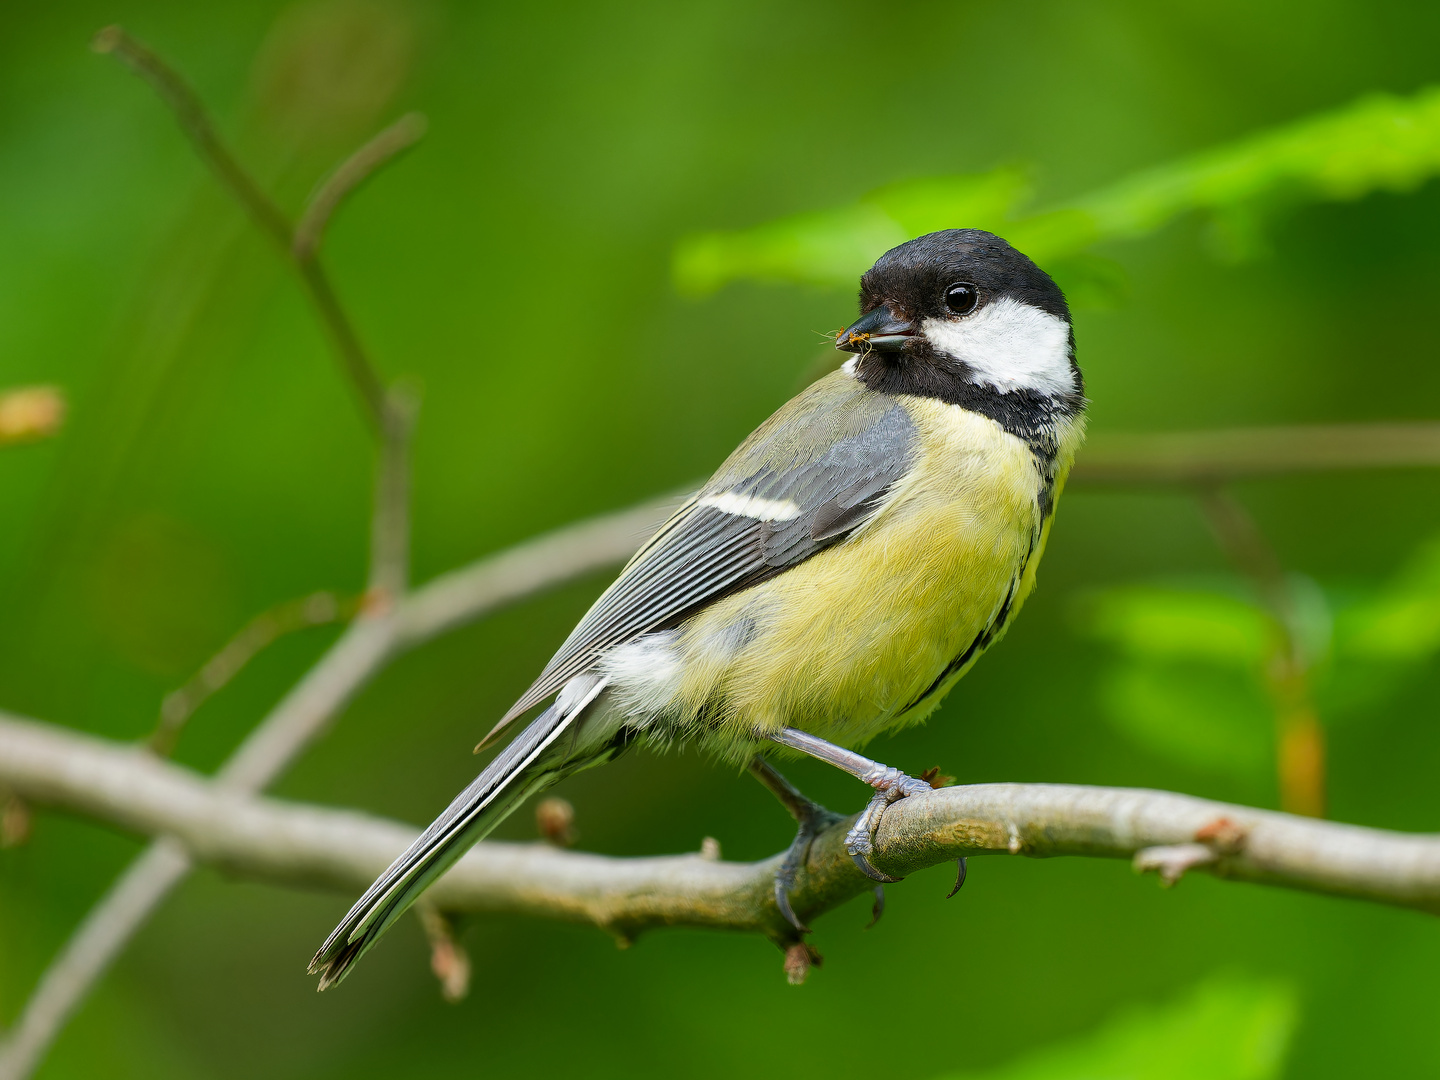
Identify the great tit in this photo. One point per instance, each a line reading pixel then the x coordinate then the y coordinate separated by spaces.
pixel 841 571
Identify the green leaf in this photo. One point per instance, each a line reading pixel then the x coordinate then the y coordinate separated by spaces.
pixel 1378 143
pixel 1202 717
pixel 834 247
pixel 1227 1028
pixel 1403 622
pixel 1158 623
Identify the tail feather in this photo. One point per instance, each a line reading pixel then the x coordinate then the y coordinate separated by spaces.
pixel 529 763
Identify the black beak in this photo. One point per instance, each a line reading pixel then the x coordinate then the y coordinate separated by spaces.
pixel 880 329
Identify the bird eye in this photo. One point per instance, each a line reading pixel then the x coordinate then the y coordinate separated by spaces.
pixel 962 297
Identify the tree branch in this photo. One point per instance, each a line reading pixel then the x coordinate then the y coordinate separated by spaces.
pixel 1211 457
pixel 200 130
pixel 297 845
pixel 1300 741
pixel 363 649
pixel 354 171
pixel 195 122
pixel 99 938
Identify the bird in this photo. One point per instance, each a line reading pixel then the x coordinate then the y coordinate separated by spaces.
pixel 833 580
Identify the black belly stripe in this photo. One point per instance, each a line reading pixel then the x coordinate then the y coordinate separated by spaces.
pixel 982 640
pixel 1002 616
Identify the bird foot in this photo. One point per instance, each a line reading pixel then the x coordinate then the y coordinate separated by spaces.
pixel 891 785
pixel 813 820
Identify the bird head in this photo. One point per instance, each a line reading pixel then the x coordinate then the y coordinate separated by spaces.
pixel 962 307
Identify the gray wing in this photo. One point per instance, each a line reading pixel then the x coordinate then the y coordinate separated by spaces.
pixel 806 479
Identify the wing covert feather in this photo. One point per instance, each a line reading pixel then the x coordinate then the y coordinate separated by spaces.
pixel 821 466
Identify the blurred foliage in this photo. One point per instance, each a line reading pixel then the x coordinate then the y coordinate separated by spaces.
pixel 30 413
pixel 211 466
pixel 1227 1028
pixel 1380 142
pixel 1188 678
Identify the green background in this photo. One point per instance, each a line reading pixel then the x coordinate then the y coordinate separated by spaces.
pixel 517 266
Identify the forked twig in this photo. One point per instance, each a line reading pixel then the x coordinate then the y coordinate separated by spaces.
pixel 300 248
pixel 353 171
pixel 305 711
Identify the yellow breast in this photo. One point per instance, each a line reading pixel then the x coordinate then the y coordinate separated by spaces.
pixel 852 641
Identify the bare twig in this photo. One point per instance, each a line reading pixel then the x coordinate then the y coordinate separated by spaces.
pixel 448 958
pixel 462 595
pixel 345 340
pixel 197 126
pixel 175 92
pixel 1210 457
pixel 1300 741
pixel 365 648
pixel 317 609
pixel 89 952
pixel 354 171
pixel 298 845
pixel 390 524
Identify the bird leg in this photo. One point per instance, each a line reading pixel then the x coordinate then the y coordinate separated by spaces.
pixel 812 818
pixel 890 786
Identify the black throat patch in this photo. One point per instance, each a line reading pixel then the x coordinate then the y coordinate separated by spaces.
pixel 1026 414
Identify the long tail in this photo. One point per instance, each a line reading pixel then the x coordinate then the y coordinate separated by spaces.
pixel 534 760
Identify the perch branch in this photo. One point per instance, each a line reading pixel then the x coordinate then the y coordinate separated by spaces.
pixel 366 646
pixel 297 845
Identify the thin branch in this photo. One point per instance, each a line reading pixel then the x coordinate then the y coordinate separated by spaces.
pixel 354 171
pixel 297 845
pixel 360 652
pixel 364 649
pixel 344 340
pixel 195 122
pixel 1210 457
pixel 317 609
pixel 350 663
pixel 197 126
pixel 88 953
pixel 1300 740
pixel 390 525
pixel 463 595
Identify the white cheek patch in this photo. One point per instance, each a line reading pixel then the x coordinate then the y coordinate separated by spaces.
pixel 752 506
pixel 1010 346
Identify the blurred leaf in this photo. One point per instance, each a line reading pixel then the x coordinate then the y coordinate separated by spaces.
pixel 1401 624
pixel 30 413
pixel 1159 623
pixel 1191 685
pixel 1224 1029
pixel 833 247
pixel 1203 718
pixel 1378 143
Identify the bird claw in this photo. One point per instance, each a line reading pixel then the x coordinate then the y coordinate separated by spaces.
pixel 891 785
pixel 960 872
pixel 785 881
pixel 813 819
pixel 860 859
pixel 878 908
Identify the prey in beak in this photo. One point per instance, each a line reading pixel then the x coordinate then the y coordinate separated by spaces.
pixel 880 329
